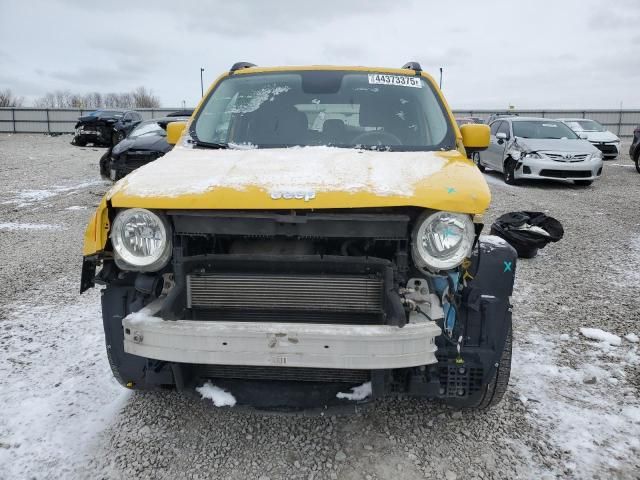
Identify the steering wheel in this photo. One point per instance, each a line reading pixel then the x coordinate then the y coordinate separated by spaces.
pixel 379 137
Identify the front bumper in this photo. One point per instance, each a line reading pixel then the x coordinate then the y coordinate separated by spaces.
pixel 608 149
pixel 281 344
pixel 547 169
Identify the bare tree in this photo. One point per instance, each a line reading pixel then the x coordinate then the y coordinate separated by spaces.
pixel 143 98
pixel 8 99
pixel 47 101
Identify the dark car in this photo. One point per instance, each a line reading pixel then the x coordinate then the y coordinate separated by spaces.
pixel 144 144
pixel 634 149
pixel 105 127
pixel 187 112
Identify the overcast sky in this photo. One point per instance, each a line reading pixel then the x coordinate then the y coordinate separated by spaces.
pixel 545 53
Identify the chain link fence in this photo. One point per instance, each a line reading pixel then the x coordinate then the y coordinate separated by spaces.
pixel 63 120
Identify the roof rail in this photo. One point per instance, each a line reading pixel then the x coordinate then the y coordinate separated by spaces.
pixel 241 65
pixel 413 66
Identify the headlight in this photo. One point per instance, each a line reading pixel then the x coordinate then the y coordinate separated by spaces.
pixel 442 240
pixel 140 240
pixel 532 155
pixel 597 155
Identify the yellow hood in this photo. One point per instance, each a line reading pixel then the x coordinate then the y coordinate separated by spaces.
pixel 304 178
pixel 295 178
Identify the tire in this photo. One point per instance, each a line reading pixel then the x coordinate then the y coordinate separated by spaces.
pixel 497 386
pixel 583 183
pixel 79 142
pixel 509 172
pixel 636 160
pixel 475 157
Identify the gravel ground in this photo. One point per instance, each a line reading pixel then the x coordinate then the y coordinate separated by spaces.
pixel 572 410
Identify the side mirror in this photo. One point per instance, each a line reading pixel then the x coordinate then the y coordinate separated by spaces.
pixel 501 136
pixel 475 137
pixel 174 131
pixel 584 136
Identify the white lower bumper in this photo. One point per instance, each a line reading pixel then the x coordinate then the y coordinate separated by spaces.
pixel 281 344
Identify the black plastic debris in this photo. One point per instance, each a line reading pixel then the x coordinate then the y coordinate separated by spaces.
pixel 527 231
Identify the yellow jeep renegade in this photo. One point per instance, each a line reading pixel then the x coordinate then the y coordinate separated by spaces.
pixel 312 241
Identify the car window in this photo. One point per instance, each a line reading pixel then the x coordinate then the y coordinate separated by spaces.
pixel 590 126
pixel 127 116
pixel 337 108
pixel 504 128
pixel 147 128
pixel 548 129
pixel 494 127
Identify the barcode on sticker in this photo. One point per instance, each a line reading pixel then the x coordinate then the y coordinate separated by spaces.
pixel 400 80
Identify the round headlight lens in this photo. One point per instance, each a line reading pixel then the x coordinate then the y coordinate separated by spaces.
pixel 140 240
pixel 442 240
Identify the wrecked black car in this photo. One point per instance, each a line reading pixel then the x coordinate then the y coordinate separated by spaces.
pixel 144 144
pixel 105 127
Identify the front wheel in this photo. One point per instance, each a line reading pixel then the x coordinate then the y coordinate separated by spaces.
pixel 510 172
pixel 636 159
pixel 583 183
pixel 497 386
pixel 475 157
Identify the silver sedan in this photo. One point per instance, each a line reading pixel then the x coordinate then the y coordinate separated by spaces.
pixel 539 148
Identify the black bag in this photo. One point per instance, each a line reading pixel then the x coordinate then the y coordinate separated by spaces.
pixel 527 231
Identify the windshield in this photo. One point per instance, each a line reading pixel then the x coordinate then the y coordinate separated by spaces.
pixel 147 128
pixel 343 109
pixel 585 125
pixel 542 129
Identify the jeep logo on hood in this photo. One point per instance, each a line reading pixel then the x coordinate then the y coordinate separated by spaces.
pixel 293 195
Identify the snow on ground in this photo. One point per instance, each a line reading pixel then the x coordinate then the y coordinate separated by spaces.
pixel 357 393
pixel 601 336
pixel 29 197
pixel 590 409
pixel 29 226
pixel 58 393
pixel 219 397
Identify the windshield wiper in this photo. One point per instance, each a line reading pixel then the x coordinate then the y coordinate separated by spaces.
pixel 213 145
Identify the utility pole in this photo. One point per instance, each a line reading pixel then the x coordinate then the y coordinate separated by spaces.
pixel 201 83
pixel 440 78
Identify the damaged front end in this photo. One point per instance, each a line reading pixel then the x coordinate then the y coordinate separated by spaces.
pixel 294 310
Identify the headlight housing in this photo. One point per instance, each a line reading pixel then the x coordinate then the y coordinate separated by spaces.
pixel 141 240
pixel 442 240
pixel 597 154
pixel 532 155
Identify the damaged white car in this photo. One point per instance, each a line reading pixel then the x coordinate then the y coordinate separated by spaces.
pixel 539 148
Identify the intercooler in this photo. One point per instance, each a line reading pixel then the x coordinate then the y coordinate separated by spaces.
pixel 283 373
pixel 357 294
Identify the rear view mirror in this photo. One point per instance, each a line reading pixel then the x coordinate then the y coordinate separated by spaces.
pixel 475 137
pixel 174 131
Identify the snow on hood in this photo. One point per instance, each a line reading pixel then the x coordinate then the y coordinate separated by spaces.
pixel 556 145
pixel 606 136
pixel 185 171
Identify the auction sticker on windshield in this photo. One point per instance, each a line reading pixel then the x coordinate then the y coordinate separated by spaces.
pixel 401 80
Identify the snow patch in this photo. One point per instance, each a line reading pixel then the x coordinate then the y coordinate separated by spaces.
pixel 632 337
pixel 601 336
pixel 357 393
pixel 28 197
pixel 219 397
pixel 58 392
pixel 29 226
pixel 76 207
pixel 185 171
